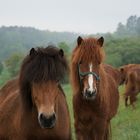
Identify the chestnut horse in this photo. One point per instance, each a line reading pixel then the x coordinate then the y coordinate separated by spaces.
pixel 95 97
pixel 131 77
pixel 115 73
pixel 33 106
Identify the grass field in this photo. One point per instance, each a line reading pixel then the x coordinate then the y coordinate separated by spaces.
pixel 125 125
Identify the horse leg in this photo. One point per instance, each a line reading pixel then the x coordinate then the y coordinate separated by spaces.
pixel 81 133
pixel 107 132
pixel 126 101
pixel 132 102
pixel 101 132
pixel 133 99
pixel 126 97
pixel 82 136
pixel 96 135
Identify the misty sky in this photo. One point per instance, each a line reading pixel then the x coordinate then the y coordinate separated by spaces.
pixel 83 16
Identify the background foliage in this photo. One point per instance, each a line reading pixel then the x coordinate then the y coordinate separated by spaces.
pixel 122 47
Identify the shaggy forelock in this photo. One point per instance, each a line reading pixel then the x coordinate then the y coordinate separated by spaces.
pixel 46 65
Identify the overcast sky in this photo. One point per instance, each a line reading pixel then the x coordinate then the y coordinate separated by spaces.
pixel 82 16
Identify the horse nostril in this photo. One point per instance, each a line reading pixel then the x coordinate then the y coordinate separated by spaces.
pixel 42 117
pixel 52 117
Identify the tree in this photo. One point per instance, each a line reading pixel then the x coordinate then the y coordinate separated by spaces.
pixel 131 24
pixel 64 46
pixel 131 28
pixel 138 26
pixel 66 49
pixel 121 30
pixel 123 51
pixel 1 67
pixel 13 63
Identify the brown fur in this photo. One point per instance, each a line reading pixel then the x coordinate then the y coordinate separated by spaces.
pixel 115 73
pixel 9 88
pixel 92 117
pixel 130 74
pixel 36 90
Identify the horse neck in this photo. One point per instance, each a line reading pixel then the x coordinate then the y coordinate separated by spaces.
pixel 103 83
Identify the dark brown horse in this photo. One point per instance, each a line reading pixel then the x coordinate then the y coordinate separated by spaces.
pixel 33 106
pixel 96 97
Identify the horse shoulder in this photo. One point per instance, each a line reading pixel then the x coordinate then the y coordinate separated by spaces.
pixel 113 95
pixel 10 115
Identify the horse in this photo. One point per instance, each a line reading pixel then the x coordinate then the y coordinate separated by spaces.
pixel 126 69
pixel 115 73
pixel 9 88
pixel 33 106
pixel 95 92
pixel 131 78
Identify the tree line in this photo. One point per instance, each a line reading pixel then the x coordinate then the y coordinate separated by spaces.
pixel 122 47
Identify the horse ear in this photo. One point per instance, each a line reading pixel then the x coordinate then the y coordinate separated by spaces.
pixel 33 52
pixel 100 41
pixel 61 52
pixel 121 69
pixel 79 40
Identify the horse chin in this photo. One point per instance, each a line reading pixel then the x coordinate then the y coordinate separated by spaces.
pixel 89 98
pixel 44 126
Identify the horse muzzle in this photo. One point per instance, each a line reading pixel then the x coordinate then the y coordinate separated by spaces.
pixel 47 121
pixel 89 95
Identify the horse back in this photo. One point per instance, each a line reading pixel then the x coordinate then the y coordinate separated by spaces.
pixel 133 80
pixel 114 72
pixel 9 88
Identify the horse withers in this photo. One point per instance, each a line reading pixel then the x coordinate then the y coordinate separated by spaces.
pixel 95 92
pixel 33 106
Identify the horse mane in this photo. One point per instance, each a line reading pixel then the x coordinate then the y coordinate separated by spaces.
pixel 41 65
pixel 88 51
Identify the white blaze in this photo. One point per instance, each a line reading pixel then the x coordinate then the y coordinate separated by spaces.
pixel 90 79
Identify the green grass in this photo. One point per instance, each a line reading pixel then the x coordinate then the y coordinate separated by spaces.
pixel 125 125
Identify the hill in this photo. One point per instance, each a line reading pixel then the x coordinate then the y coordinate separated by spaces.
pixel 20 39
